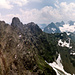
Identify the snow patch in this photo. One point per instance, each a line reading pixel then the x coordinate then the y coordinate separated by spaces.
pixel 15 56
pixel 53 29
pixel 20 36
pixel 64 44
pixel 67 28
pixel 68 33
pixel 18 45
pixel 57 65
pixel 72 53
pixel 61 34
pixel 42 29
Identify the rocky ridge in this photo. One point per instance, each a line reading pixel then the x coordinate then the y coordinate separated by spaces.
pixel 22 51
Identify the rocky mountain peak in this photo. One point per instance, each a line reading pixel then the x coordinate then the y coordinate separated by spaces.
pixel 62 23
pixel 16 22
pixel 51 28
pixel 31 23
pixel 34 28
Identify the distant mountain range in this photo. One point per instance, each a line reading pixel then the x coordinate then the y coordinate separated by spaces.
pixel 51 28
pixel 60 27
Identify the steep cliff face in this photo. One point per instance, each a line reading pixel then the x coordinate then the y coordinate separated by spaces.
pixel 22 50
pixel 16 22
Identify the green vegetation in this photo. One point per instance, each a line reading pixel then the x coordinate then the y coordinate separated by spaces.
pixel 44 67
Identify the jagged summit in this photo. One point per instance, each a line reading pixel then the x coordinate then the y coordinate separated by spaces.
pixel 34 28
pixel 16 22
pixel 32 23
pixel 51 28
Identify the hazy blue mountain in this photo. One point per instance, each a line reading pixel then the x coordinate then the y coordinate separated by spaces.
pixel 42 26
pixel 51 28
pixel 59 24
pixel 71 22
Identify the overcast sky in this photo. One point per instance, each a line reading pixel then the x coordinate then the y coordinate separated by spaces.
pixel 38 11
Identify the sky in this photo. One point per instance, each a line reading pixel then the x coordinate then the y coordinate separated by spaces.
pixel 38 11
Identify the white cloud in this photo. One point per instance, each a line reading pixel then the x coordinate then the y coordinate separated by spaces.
pixel 8 18
pixel 67 11
pixel 22 2
pixel 63 11
pixel 47 14
pixel 19 2
pixel 8 4
pixel 5 4
pixel 36 0
pixel 57 1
